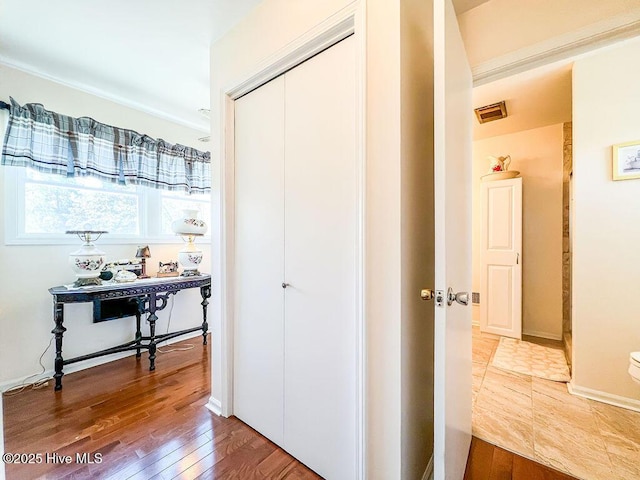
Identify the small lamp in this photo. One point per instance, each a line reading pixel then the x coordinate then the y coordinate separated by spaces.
pixel 143 253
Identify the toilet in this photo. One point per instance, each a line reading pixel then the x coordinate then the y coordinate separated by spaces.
pixel 634 366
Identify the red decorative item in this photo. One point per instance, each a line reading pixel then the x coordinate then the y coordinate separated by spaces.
pixel 497 168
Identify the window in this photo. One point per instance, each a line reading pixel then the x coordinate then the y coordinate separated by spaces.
pixel 40 207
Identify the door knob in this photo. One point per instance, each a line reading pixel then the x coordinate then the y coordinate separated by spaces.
pixel 285 285
pixel 426 294
pixel 461 297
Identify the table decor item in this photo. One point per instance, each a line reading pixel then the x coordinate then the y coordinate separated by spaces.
pixel 189 227
pixel 190 256
pixel 143 253
pixel 124 276
pixel 87 262
pixel 189 223
pixel 168 269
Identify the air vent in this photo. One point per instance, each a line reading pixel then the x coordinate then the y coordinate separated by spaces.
pixel 492 112
pixel 475 297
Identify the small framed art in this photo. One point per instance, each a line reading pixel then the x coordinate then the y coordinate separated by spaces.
pixel 626 161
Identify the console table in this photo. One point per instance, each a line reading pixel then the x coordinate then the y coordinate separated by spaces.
pixel 148 296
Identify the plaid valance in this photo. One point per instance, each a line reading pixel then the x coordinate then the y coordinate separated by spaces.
pixel 55 143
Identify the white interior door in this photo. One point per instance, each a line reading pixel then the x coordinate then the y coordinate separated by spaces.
pixel 453 114
pixel 320 262
pixel 501 261
pixel 259 260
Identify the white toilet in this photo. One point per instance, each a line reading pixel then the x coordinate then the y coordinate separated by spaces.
pixel 634 366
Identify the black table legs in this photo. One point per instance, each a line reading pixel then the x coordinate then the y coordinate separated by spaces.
pixel 58 331
pixel 152 330
pixel 205 291
pixel 149 299
pixel 138 329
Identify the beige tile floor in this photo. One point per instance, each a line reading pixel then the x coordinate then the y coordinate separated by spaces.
pixel 541 420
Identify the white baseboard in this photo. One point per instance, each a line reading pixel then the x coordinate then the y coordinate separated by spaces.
pixel 604 397
pixel 547 335
pixel 215 406
pixel 428 473
pixel 93 362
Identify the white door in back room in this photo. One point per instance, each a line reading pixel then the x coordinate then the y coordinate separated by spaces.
pixel 501 259
pixel 296 261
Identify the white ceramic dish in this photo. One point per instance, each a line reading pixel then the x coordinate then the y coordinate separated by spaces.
pixel 499 175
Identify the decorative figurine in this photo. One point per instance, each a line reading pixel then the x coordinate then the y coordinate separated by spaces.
pixel 169 269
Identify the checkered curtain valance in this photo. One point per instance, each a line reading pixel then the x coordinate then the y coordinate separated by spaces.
pixel 55 143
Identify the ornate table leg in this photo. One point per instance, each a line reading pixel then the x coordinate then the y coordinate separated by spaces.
pixel 139 312
pixel 58 331
pixel 206 294
pixel 152 331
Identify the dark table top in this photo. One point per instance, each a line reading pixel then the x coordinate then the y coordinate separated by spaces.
pixel 137 287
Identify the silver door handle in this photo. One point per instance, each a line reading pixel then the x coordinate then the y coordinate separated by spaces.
pixel 461 297
pixel 285 285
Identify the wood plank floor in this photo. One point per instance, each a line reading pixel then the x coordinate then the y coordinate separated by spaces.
pixel 488 462
pixel 153 425
pixel 143 424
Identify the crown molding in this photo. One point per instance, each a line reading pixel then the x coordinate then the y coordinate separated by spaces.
pixel 80 86
pixel 562 47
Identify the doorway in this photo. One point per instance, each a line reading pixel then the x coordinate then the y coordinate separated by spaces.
pixel 533 135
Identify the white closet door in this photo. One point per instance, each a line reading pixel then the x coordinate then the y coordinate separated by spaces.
pixel 320 262
pixel 259 259
pixel 501 265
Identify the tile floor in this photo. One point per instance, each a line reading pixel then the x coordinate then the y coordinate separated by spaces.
pixel 540 420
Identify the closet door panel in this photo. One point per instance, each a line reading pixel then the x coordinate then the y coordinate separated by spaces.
pixel 320 262
pixel 259 259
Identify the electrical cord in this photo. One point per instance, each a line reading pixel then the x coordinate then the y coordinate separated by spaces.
pixel 40 383
pixel 187 346
pixel 43 382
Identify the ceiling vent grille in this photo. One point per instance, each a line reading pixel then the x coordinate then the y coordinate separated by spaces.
pixel 492 112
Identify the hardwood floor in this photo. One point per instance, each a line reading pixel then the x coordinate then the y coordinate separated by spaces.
pixel 153 425
pixel 143 424
pixel 488 462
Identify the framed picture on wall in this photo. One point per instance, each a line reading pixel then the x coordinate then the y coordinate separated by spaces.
pixel 626 160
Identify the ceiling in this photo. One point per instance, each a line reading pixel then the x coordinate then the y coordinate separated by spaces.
pixel 148 54
pixel 535 98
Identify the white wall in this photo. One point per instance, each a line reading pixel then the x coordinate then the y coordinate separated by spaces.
pixel 606 220
pixel 538 155
pixel 26 316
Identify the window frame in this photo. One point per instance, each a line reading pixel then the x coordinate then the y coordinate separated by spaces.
pixel 149 207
